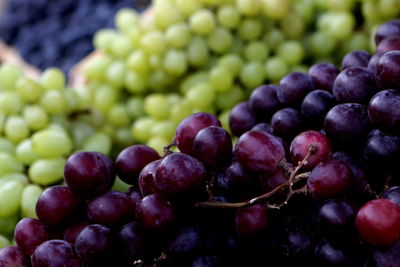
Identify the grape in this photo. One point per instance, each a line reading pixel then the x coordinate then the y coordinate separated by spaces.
pixel 50 143
pixel 251 221
pixel 10 102
pixel 263 126
pixel 387 70
pixel 275 69
pixel 275 9
pixel 377 222
pixel 286 122
pixel 323 75
pixel 388 29
pixel 315 106
pixel 388 44
pixel 46 171
pixel 381 148
pixel 30 233
pixel 135 241
pixel 294 87
pixel 259 151
pixel 383 110
pixel 264 101
pixel 252 74
pixel 16 129
pixel 9 164
pixel 147 178
pixel 10 196
pixel 393 194
pixel 55 253
pixel 249 29
pixel 291 52
pixel 228 16
pixel 336 214
pixel 202 22
pixel 358 58
pixel 241 118
pixel 72 232
pixel 35 117
pixel 220 40
pixel 13 256
pixel 329 255
pixel 221 79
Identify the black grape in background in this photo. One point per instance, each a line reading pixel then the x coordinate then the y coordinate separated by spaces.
pixel 58 33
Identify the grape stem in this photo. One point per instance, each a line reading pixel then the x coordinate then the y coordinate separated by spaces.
pixel 288 185
pixel 167 148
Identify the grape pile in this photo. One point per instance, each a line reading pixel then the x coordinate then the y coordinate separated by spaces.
pixel 24 22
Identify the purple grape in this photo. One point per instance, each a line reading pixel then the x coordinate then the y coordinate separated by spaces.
pixel 354 84
pixel 336 214
pixel 180 173
pixel 147 178
pixel 241 119
pixel 134 196
pixel 259 151
pixel 393 194
pixel 30 233
pixel 155 212
pixel 286 123
pixel 315 106
pixel 323 75
pixel 388 44
pixel 13 256
pixel 212 146
pixel 357 58
pixel 330 178
pixel 386 256
pixel 72 232
pixel 190 126
pixel 55 253
pixel 294 87
pixel 347 125
pixel 268 182
pixel 384 110
pixel 388 29
pixel 329 255
pixel 251 221
pixel 186 242
pixel 89 173
pixel 136 242
pixel 132 160
pixel 262 126
pixel 373 61
pixel 110 209
pixel 387 70
pixel 264 101
pixel 56 205
pixel 381 149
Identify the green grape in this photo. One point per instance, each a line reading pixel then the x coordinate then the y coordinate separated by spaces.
pixel 389 9
pixel 231 62
pixel 221 79
pixel 250 29
pixel 118 116
pixel 178 35
pixel 10 197
pixel 160 81
pixel 193 79
pixel 16 129
pixel 292 52
pixel 141 129
pixel 275 69
pixel 340 24
pixel 7 224
pixel 157 106
pixel 10 102
pixel 24 152
pixel 157 143
pixel 138 61
pixel 252 74
pixel 9 164
pixel 164 129
pixel 228 16
pixel 28 89
pixel 293 26
pixel 115 74
pixel 256 51
pixel 175 62
pixel 80 133
pixel 224 118
pixel 248 7
pixel 306 9
pixel 72 100
pixel 135 82
pixel 53 79
pixel 197 52
pixel 237 46
pixel 53 102
pixel 358 41
pixel 51 143
pixel 186 7
pixel 180 111
pixel 59 123
pixel 220 41
pixel 202 22
pixel 299 68
pixel 125 19
pixel 47 171
pixel 153 42
pixel 322 44
pixel 3 118
pixel 340 5
pixel 228 100
pixel 84 95
pixel 120 185
pixel 9 75
pixel 123 137
pixel 96 67
pixel 4 242
pixel 275 9
pixel 6 146
pixel 201 96
pixel 16 176
pixel 155 61
pixel 99 142
pixel 174 98
pixel 105 97
pixel 121 46
pixel 274 38
pixel 166 14
pixel 135 107
pixel 29 197
pixel 103 39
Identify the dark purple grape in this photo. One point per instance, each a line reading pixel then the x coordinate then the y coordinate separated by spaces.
pixel 189 127
pixel 180 173
pixel 328 255
pixel 241 119
pixel 294 87
pixel 373 61
pixel 212 146
pixel 95 244
pixel 206 261
pixel 354 84
pixel 263 126
pixel 136 242
pixel 30 233
pixel 387 70
pixel 147 178
pixel 13 256
pixel 134 196
pixel 110 209
pixel 259 151
pixel 55 253
pixel 393 194
pixel 388 29
pixel 323 75
pixel 381 149
pixel 186 242
pixel 251 221
pixel 286 123
pixel 268 182
pixel 330 178
pixel 386 256
pixel 298 243
pixel 347 125
pixel 357 58
pixel 384 110
pixel 388 44
pixel 315 106
pixel 336 214
pixel 89 173
pixel 72 232
pixel 132 160
pixel 155 212
pixel 264 101
pixel 56 205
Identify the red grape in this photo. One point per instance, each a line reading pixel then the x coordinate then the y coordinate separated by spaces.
pixel 55 253
pixel 13 256
pixel 30 233
pixel 251 221
pixel 147 178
